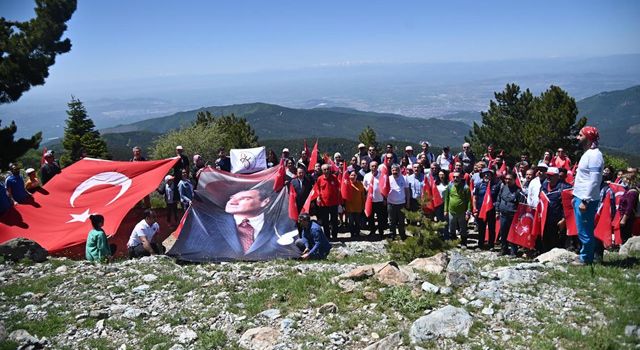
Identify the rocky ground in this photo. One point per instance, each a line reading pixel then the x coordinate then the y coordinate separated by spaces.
pixel 463 299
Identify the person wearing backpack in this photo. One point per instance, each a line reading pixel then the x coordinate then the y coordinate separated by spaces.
pixel 457 207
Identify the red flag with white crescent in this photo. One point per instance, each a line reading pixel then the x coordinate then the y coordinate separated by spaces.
pixel 368 204
pixel 327 160
pixel 569 215
pixel 314 158
pixel 313 195
pixel 345 183
pixel 437 198
pixel 427 196
pixel 385 185
pixel 278 182
pixel 604 226
pixel 521 230
pixel 541 214
pixel 293 207
pixel 57 218
pixel 487 203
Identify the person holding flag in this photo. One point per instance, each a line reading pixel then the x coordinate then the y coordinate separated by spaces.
pixel 485 195
pixel 379 209
pixel 354 203
pixel 551 204
pixel 507 204
pixel 533 189
pixel 457 207
pixel 328 200
pixel 586 191
pixel 397 200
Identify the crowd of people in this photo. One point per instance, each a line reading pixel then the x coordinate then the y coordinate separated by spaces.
pixel 380 187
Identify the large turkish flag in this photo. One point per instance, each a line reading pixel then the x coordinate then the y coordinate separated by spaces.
pixel 58 216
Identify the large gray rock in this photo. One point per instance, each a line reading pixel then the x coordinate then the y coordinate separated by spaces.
pixel 455 279
pixel 446 322
pixel 557 256
pixel 22 248
pixel 515 276
pixel 435 264
pixel 460 264
pixel 631 246
pixel 260 338
pixel 392 341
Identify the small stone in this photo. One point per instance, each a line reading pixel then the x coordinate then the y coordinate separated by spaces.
pixel 271 314
pixel 630 330
pixel 185 335
pixel 81 316
pixel 477 303
pixel 375 335
pixel 391 341
pixel 132 313
pixel 328 308
pixel 100 325
pixel 487 311
pixel 447 322
pixel 141 289
pixel 149 278
pixel 347 284
pixel 99 314
pixel 287 324
pixel 463 300
pixel 61 269
pixel 430 288
pixel 259 338
pixel 455 279
pixel 446 291
pixel 176 347
pixel 370 295
pixel 21 336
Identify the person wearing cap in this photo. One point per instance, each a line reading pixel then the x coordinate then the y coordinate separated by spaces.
pixel 32 184
pixel 183 163
pixel 285 153
pixel 445 160
pixel 429 157
pixel 479 192
pixel 170 198
pixel 304 160
pixel 15 186
pixel 50 168
pixel 533 189
pixel 552 187
pixel 561 160
pixel 362 153
pixel 408 152
pixel 467 158
pixel 337 159
pixel 586 190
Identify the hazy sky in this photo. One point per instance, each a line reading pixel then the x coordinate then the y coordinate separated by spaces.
pixel 116 39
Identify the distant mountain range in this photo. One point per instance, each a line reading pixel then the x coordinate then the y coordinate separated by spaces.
pixel 277 122
pixel 616 113
pixel 617 116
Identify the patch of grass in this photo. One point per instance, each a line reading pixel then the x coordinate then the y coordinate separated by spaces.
pixel 212 340
pixel 153 338
pixel 54 323
pixel 293 291
pixel 402 300
pixel 358 258
pixel 8 345
pixel 40 285
pixel 99 344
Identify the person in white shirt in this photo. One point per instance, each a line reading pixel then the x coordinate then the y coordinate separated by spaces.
pixel 141 240
pixel 396 201
pixel 534 186
pixel 379 208
pixel 586 191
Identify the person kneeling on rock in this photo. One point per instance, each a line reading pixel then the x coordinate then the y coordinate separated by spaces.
pixel 97 247
pixel 312 242
pixel 141 240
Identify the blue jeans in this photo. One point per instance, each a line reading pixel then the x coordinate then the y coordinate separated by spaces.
pixel 585 225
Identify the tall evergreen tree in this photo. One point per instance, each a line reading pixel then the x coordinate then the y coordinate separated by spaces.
pixel 518 121
pixel 80 135
pixel 11 150
pixel 368 136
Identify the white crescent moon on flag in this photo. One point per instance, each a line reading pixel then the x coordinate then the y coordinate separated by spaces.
pixel 528 215
pixel 106 178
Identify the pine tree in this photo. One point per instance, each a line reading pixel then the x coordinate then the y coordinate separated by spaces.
pixel 368 137
pixel 80 135
pixel 11 150
pixel 517 121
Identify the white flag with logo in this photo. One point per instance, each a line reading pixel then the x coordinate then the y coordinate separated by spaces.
pixel 248 160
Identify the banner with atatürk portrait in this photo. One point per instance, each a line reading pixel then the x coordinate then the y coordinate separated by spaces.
pixel 237 217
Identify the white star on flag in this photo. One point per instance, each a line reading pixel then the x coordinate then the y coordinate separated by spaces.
pixel 80 217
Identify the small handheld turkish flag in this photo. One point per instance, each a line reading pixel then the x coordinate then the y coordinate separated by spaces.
pixel 345 184
pixel 313 195
pixel 313 159
pixel 521 231
pixel 293 208
pixel 58 218
pixel 487 203
pixel 368 205
pixel 569 215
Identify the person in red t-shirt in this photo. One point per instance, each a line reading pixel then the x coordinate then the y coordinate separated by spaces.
pixel 458 168
pixel 328 200
pixel 561 160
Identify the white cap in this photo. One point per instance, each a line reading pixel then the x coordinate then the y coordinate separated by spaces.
pixel 285 150
pixel 361 145
pixel 408 148
pixel 337 155
pixel 425 143
pixel 553 171
pixel 542 165
pixel 179 147
pixel 168 177
pixel 466 144
pixel 30 170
